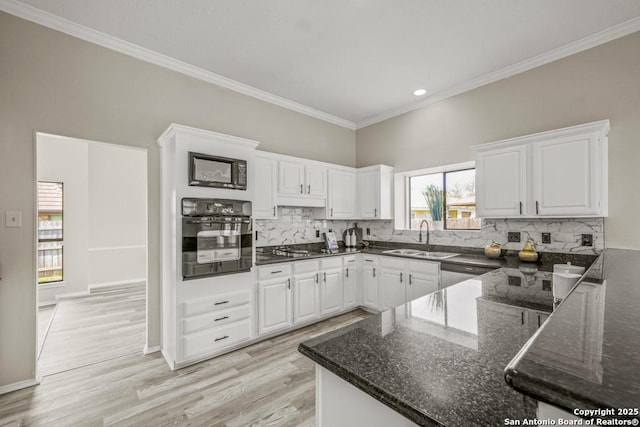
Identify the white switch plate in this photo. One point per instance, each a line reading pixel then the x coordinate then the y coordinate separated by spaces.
pixel 14 219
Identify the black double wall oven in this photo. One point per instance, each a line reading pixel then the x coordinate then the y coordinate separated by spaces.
pixel 216 237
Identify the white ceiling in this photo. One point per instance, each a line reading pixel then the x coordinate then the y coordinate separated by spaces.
pixel 357 60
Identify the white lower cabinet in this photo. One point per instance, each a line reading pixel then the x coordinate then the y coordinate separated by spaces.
pixel 305 291
pixel 402 281
pixel 209 325
pixel 370 271
pixel 274 298
pixel 350 281
pixel 331 286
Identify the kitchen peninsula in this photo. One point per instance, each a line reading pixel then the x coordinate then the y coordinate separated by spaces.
pixel 440 359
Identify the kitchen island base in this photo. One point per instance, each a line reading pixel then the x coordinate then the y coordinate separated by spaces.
pixel 340 404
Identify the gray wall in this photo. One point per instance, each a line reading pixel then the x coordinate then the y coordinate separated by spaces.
pixel 54 83
pixel 601 83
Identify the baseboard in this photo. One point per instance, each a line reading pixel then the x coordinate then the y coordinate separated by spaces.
pixel 117 283
pixel 72 295
pixel 19 385
pixel 46 303
pixel 148 350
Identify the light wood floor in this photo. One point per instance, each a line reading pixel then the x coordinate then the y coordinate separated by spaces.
pixel 108 323
pixel 267 384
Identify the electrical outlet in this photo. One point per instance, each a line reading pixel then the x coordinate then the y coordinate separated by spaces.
pixel 546 237
pixel 513 236
pixel 368 231
pixel 587 240
pixel 317 233
pixel 546 285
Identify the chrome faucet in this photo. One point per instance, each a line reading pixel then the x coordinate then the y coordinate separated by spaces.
pixel 424 221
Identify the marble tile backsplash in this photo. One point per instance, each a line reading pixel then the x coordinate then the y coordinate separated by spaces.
pixel 297 225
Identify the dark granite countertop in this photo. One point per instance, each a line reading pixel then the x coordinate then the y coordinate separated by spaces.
pixel 588 355
pixel 440 359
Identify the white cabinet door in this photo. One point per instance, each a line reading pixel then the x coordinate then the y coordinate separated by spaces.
pixel 305 297
pixel 331 291
pixel 264 178
pixel 370 287
pixel 420 284
pixel 564 176
pixel 350 285
pixel 501 182
pixel 375 192
pixel 315 181
pixel 291 178
pixel 391 288
pixel 274 305
pixel 341 202
pixel 369 194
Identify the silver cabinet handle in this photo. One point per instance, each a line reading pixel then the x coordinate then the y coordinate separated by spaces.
pixel 221 302
pixel 347 271
pixel 400 277
pixel 331 211
pixel 317 274
pixel 410 279
pixel 375 213
pixel 222 338
pixel 522 317
pixel 274 211
pixel 288 283
pixel 276 271
pixel 520 208
pixel 374 272
pixel 221 318
pixel 308 189
pixel 325 276
pixel 301 191
pixel 537 208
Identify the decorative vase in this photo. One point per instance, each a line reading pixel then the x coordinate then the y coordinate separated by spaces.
pixel 528 252
pixel 493 250
pixel 438 225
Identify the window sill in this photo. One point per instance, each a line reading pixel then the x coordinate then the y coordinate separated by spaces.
pixel 51 285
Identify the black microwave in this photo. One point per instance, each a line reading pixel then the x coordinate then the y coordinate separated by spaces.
pixel 214 171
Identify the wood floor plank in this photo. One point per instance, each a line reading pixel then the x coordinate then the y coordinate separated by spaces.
pixel 267 384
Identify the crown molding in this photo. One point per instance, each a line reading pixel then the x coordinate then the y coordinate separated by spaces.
pixel 572 48
pixel 63 25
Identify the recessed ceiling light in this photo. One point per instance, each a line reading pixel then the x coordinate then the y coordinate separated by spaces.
pixel 419 92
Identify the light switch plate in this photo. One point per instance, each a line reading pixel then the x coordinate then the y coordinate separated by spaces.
pixel 13 219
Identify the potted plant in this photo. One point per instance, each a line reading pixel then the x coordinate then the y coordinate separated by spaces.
pixel 434 197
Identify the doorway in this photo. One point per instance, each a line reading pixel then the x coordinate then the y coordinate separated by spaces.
pixel 92 252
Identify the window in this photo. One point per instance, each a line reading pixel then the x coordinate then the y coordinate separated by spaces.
pixel 50 232
pixel 446 198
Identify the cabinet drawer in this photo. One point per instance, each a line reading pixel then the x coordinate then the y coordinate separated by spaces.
pixel 331 263
pixel 216 318
pixel 216 338
pixel 220 302
pixel 395 263
pixel 305 267
pixel 369 259
pixel 349 260
pixel 426 267
pixel 276 270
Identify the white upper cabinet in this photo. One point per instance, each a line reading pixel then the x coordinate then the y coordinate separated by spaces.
pixel 301 183
pixel 265 181
pixel 375 196
pixel 341 200
pixel 561 173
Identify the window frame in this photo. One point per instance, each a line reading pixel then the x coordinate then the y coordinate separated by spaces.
pixel 47 240
pixel 402 194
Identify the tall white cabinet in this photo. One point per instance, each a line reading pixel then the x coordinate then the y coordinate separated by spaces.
pixel 375 185
pixel 560 173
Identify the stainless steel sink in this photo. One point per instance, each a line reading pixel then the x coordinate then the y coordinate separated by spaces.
pixel 402 252
pixel 420 254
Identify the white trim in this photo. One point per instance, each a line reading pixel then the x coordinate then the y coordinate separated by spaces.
pixel 148 350
pixel 604 36
pixel 72 295
pixel 117 248
pixel 440 169
pixel 116 283
pixel 51 285
pixel 57 23
pixel 19 385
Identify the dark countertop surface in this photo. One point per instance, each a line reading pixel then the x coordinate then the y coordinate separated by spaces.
pixel 588 355
pixel 441 359
pixel 465 256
